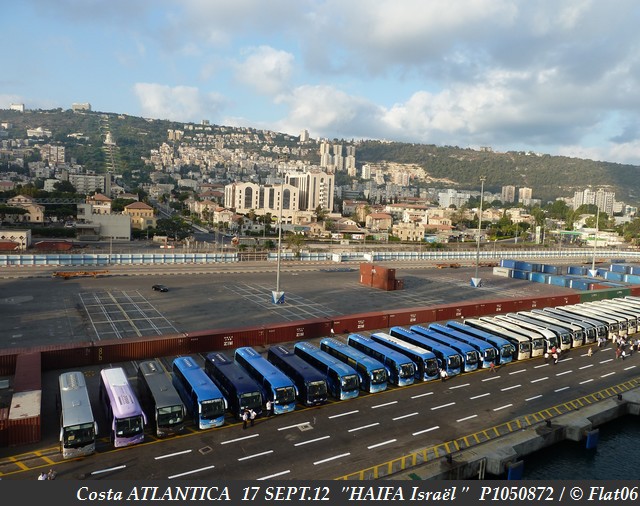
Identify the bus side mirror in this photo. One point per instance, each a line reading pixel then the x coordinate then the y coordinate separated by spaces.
pixel 95 428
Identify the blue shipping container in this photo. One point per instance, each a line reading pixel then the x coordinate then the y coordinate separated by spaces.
pixel 578 270
pixel 550 269
pixel 508 263
pixel 559 280
pixel 613 276
pixel 623 268
pixel 538 277
pixel 632 278
pixel 580 284
pixel 517 274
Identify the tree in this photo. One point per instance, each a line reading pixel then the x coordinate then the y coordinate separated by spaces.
pixel 175 227
pixel 295 242
pixel 321 213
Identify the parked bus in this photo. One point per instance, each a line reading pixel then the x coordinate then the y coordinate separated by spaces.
pixel 78 428
pixel 124 414
pixel 425 360
pixel 372 373
pixel 160 398
pixel 506 350
pixel 577 334
pixel 602 328
pixel 521 344
pixel 240 390
pixel 589 331
pixel 448 358
pixel 488 354
pixel 563 337
pixel 600 310
pixel 401 370
pixel 277 386
pixel 342 380
pixel 470 356
pixel 534 333
pixel 629 306
pixel 204 401
pixel 610 322
pixel 310 383
pixel 618 308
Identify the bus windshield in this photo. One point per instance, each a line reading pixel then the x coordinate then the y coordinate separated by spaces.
pixel 490 354
pixel 454 361
pixel 378 376
pixel 407 371
pixel 285 395
pixel 317 388
pixel 128 427
pixel 79 434
pixel 349 382
pixel 170 415
pixel 212 408
pixel 471 357
pixel 431 366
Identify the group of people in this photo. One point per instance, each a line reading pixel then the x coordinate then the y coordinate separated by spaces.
pixel 51 475
pixel 621 349
pixel 554 353
pixel 249 415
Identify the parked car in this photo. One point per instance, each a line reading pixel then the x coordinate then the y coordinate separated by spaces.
pixel 160 288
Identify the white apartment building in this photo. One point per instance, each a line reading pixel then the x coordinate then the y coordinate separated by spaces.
pixel 315 188
pixel 263 199
pixel 603 199
pixel 88 183
pixel 453 198
pixel 508 194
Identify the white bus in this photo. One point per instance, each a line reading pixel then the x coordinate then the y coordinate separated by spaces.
pixel 536 338
pixel 577 333
pixel 78 428
pixel 522 344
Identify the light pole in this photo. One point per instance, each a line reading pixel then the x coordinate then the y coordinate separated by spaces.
pixel 476 280
pixel 595 243
pixel 278 296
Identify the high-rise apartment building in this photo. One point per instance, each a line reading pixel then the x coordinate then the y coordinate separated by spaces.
pixel 315 188
pixel 524 196
pixel 508 194
pixel 603 199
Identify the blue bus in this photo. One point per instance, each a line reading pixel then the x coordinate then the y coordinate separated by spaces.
pixel 241 390
pixel 401 370
pixel 310 382
pixel 470 356
pixel 506 350
pixel 160 398
pixel 448 358
pixel 342 380
pixel 425 360
pixel 278 387
pixel 201 396
pixel 488 354
pixel 372 373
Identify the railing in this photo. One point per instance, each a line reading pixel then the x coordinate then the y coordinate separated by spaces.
pixel 583 255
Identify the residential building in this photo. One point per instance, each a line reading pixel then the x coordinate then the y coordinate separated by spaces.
pixel 379 221
pixel 412 231
pixel 315 188
pixel 100 204
pixel 508 194
pixel 281 199
pixel 524 196
pixel 89 183
pixel 141 214
pixel 34 214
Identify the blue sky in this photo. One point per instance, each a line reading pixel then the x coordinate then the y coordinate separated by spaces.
pixel 558 77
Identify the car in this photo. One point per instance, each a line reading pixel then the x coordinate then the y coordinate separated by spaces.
pixel 160 288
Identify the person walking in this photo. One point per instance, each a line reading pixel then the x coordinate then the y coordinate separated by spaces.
pixel 252 416
pixel 590 352
pixel 492 366
pixel 269 407
pixel 245 418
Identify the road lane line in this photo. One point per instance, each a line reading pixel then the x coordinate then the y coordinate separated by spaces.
pixel 274 475
pixel 171 455
pixel 442 406
pixel 312 441
pixel 479 396
pixel 503 407
pixel 331 458
pixel 363 427
pixel 255 455
pixel 381 444
pixel 540 379
pixel 190 472
pixel 383 405
pixel 405 416
pixel 425 430
pixel 466 418
pixel 345 414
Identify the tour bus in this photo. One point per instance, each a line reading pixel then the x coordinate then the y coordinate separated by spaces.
pixel 342 379
pixel 610 326
pixel 487 352
pixel 278 387
pixel 78 428
pixel 602 328
pixel 448 358
pixel 401 370
pixel 470 356
pixel 619 308
pixel 310 383
pixel 546 339
pixel 203 399
pixel 563 337
pixel 630 307
pixel 506 350
pixel 240 390
pixel 424 360
pixel 160 398
pixel 521 344
pixel 623 322
pixel 534 333
pixel 576 333
pixel 589 331
pixel 610 322
pixel 372 373
pixel 124 414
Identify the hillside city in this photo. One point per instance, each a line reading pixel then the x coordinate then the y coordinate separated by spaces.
pixel 244 182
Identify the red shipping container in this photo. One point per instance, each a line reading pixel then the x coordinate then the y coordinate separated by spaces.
pixel 361 322
pixel 28 374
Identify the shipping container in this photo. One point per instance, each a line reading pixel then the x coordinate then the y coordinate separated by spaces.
pixel 504 272
pixel 559 281
pixel 634 269
pixel 24 418
pixel 621 268
pixel 28 374
pixel 551 269
pixel 634 279
pixel 577 270
pixel 221 339
pixel 538 277
pixel 109 351
pixel 508 263
pixel 299 330
pixel 400 317
pixel 360 322
pixel 520 274
pixel 580 284
pixel 613 276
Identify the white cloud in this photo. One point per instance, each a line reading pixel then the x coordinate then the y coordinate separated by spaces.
pixel 179 103
pixel 265 69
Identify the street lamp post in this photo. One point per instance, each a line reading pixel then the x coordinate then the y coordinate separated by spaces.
pixel 476 280
pixel 595 243
pixel 278 296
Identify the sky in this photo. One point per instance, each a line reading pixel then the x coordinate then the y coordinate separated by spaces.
pixel 560 77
